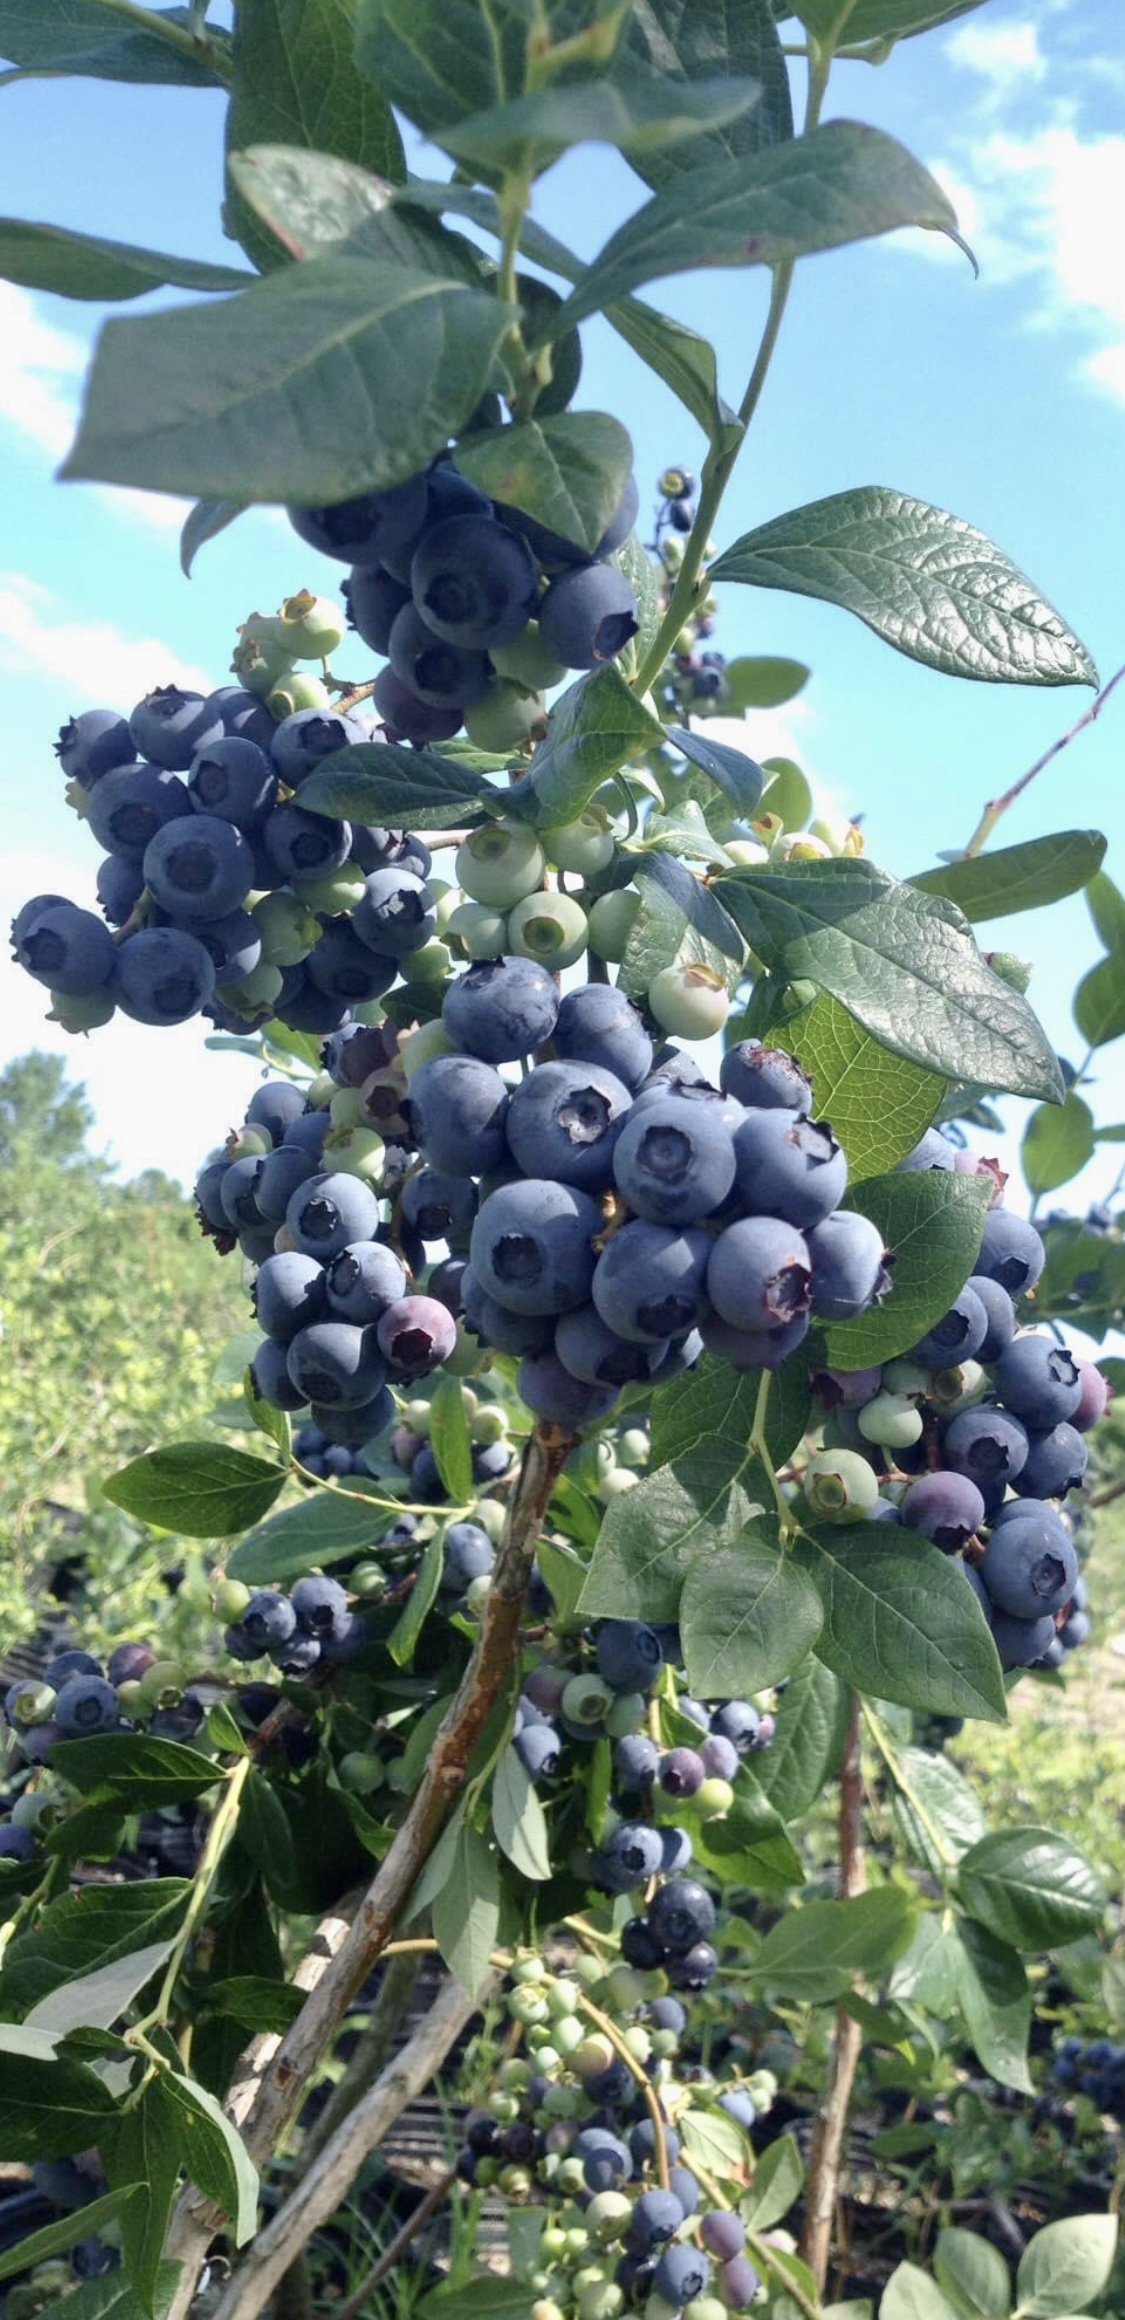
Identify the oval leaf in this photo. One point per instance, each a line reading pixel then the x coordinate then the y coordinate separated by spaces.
pixel 900 1622
pixel 1031 1888
pixel 931 1221
pixel 877 1104
pixel 202 1489
pixel 324 1529
pixel 1017 878
pixel 568 472
pixel 748 1615
pixel 1066 2266
pixel 1057 1141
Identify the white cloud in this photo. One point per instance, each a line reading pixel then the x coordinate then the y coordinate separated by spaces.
pixel 95 660
pixel 1005 55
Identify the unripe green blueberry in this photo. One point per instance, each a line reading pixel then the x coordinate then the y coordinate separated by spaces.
pixel 507 719
pixel 33 1704
pixel 587 1700
pixel 656 2308
pixel 633 1446
pixel 690 1000
pixel 891 1421
pixel 762 2085
pixel 906 1377
pixel 592 1461
pixel 552 2243
pixel 506 2108
pixel 162 1685
pixel 628 1711
pixel 637 2042
pixel 529 1969
pixel 748 851
pixel 562 2102
pixel 601 2302
pixel 840 1486
pixel 256 993
pixel 616 1484
pixel 712 1800
pixel 547 2058
pixel 361 1774
pixel 705 2308
pixel 515 2183
pixel 77 1012
pixel 231 1599
pixel 296 691
pixel 610 923
pixel 500 863
pixel 311 627
pixel 664 2044
pixel 334 894
pixel 368 1581
pixel 545 2308
pixel 540 2281
pixel 487 2172
pixel 477 1594
pixel 488 1423
pixel 346 1108
pixel 397 1776
pixel 421 1046
pixel 429 965
pixel 552 928
pixel 957 1389
pixel 586 845
pixel 572 2179
pixel 514 2075
pixel 569 2034
pixel 594 2055
pixel 587 1971
pixel 527 662
pixel 625 1989
pixel 286 927
pixel 607 2216
pixel 358 1151
pixel 490 1515
pixel 562 1997
pixel 249 1143
pixel 320 1091
pixel 259 664
pixel 476 931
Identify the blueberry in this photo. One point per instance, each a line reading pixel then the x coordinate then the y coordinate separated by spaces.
pixel 683 2273
pixel 676 1851
pixel 457 1107
pixel 501 1009
pixel 373 597
pixel 650 1282
pixel 233 778
pixel 440 1208
pixel 199 869
pixel 591 1351
pixel 170 727
pixel 300 741
pixel 849 1266
pixel 667 2014
pixel 128 806
pixel 85 1705
pixel 986 1444
pixel 405 717
pixel 1039 1380
pixel 344 967
pixel 243 715
pixel 698 1966
pixel 957 1337
pixel 269 1619
pixel 1077 1631
pixel 531 1246
pixel 1056 1462
pixel 999 1314
pixel 789 1167
pixel 747 1349
pixel 364 529
pixel 760 1272
pixel 395 914
pixel 947 1508
pixel 738 2283
pixel 473 582
pixel 416 1335
pixel 933 1150
pixel 553 1394
pixel 289 1293
pixel 681 1913
pixel 1011 1252
pixel 674 1161
pixel 539 1750
pixel 162 975
pixel 269 1373
pixel 635 1761
pixel 682 1772
pixel 737 1721
pixel 232 943
pixel 16 1843
pixel 1020 1642
pixel 363 1280
pixel 356 1426
pixel 282 1172
pixel 739 2106
pixel 599 1024
pixel 67 949
pixel 302 845
pixel 656 2218
pixel 304 1008
pixel 605 2162
pixel 628 1654
pixel 129 1662
pixel 276 1106
pixel 443 675
pixel 238 1192
pixel 632 1855
pixel 564 1120
pixel 119 885
pixel 93 744
pixel 764 1078
pixel 497 1327
pixel 1030 1567
pixel 640 1946
pixel 328 1213
pixel 70 1663
pixel 588 616
pixel 321 1605
pixel 720 1757
pixel 336 1364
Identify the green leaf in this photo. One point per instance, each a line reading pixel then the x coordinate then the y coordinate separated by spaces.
pixel 973 2274
pixel 779 2177
pixel 933 1232
pixel 568 472
pixel 946 1799
pixel 1067 2265
pixel 678 918
pixel 1031 1888
pixel 903 963
pixel 208 518
pixel 80 36
pixel 316 202
pixel 1017 878
pixel 48 2109
pixel 324 1529
pixel 748 1615
pixel 640 571
pixel 811 1715
pixel 925 581
pixel 98 2000
pixel 111 2297
pixel 694 39
pixel 764 681
pixel 274 1424
pixel 1099 1001
pixel 71 265
pixel 879 19
pixel 929 1972
pixel 684 361
pixel 651 1536
pixel 842 184
pixel 450 1439
pixel 466 1912
pixel 330 378
pixel 996 2003
pixel 877 1104
pixel 816 1952
pixel 55 2238
pixel 440 60
pixel 717 2143
pixel 256 2001
pixel 750 1845
pixel 202 1489
pixel 385 783
pixel 518 1818
pixel 901 1623
pixel 1057 1141
pixel 134 1768
pixel 641 117
pixel 419 1603
pixel 597 726
pixel 144 2153
pixel 910 2294
pixel 265 1834
pixel 712 1400
pixel 88 1932
pixel 730 769
pixel 1106 905
pixel 563 1571
pixel 295 83
pixel 214 2154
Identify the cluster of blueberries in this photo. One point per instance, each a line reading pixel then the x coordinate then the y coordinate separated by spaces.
pixel 79 1698
pixel 570 2121
pixel 973 1439
pixel 627 1213
pixel 1094 2067
pixel 306 1626
pixel 477 607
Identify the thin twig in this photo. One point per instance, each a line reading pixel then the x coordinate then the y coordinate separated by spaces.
pixel 396 2248
pixel 832 2115
pixel 992 813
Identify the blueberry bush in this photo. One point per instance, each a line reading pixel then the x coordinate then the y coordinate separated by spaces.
pixel 655 1416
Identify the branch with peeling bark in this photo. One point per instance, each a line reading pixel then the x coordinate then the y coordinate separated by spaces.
pixel 832 2118
pixel 272 2079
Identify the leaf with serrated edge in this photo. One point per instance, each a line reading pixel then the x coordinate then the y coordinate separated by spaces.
pixel 928 583
pixel 841 184
pixel 901 1623
pixel 518 1818
pixel 1067 2265
pixel 877 1104
pixel 1031 1888
pixel 747 1617
pixel 903 963
pixel 933 1231
pixel 1016 878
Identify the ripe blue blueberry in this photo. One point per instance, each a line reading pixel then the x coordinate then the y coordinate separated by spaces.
pixel 395 913
pixel 849 1266
pixel 473 582
pixel 760 1272
pixel 1030 1567
pixel 243 714
pixel 336 1364
pixel 300 741
pixel 765 1079
pixel 549 1390
pixel 269 1375
pixel 590 1350
pixel 682 1772
pixel 656 2218
pixel 986 1444
pixel 628 1654
pixel 531 1246
pixel 357 1425
pixel 467 1554
pixel 200 868
pixel 276 1105
pixel 674 1160
pixel 739 1722
pixel 269 1619
pixel 933 1150
pixel 1011 1252
pixel 1040 1380
pixel 650 1282
pixel 84 1705
pixel 738 2283
pixel 67 949
pixel 945 1507
pixel 16 1843
pixel 683 2273
pixel 289 1293
pixel 329 1212
pixel 1056 1462
pixel 720 1757
pixel 162 975
pixel 302 845
pixel 282 1172
pixel 999 1313
pixel 500 1009
pixel 1020 1642
pixel 496 1326
pixel 588 616
pixel 632 1856
pixel 92 744
pixel 681 1913
pixel 957 1337
pixel 362 1281
pixel 677 1851
pixel 539 1750
pixel 405 717
pixel 363 530
pixel 234 779
pixel 343 967
pixel 232 943
pixel 635 1762
pixel 564 1120
pixel 238 1194
pixel 373 597
pixel 789 1167
pixel 698 1966
pixel 320 1605
pixel 119 886
pixel 457 1107
pixel 440 1208
pixel 443 675
pixel 170 727
pixel 599 1024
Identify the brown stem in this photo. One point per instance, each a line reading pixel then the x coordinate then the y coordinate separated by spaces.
pixel 832 2116
pixel 992 813
pixel 396 2248
pixel 268 2089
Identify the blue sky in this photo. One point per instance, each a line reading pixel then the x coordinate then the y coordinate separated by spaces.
pixel 1003 400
